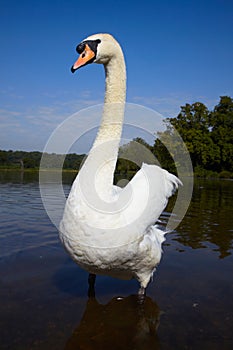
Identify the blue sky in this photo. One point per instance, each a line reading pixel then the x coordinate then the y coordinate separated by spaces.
pixel 176 52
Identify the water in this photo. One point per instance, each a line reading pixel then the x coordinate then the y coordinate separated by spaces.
pixel 43 294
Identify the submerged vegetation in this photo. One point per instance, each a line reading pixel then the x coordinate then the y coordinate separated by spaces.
pixel 208 136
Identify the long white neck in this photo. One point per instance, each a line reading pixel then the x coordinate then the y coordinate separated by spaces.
pixel 115 91
pixel 103 155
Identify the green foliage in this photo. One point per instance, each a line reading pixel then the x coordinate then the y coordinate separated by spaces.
pixel 130 158
pixel 163 155
pixel 221 123
pixel 192 123
pixel 225 175
pixel 31 160
pixel 208 136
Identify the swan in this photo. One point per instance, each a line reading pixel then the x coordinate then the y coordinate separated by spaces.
pixel 107 229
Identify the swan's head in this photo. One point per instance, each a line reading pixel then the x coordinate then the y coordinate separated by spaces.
pixel 97 48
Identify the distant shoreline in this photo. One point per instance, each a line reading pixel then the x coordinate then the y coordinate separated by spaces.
pixel 214 176
pixel 28 170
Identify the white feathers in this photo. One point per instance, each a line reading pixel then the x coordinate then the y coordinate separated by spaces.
pixel 106 229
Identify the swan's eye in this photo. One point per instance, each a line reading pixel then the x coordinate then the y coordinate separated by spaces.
pixel 80 48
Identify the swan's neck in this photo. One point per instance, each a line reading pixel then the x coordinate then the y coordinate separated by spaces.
pixel 113 112
pixel 103 155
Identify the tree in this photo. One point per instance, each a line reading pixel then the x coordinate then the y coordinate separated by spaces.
pixel 192 123
pixel 221 123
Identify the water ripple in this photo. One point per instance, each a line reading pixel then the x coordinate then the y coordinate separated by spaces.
pixel 24 223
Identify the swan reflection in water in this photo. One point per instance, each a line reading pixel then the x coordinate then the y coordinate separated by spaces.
pixel 123 323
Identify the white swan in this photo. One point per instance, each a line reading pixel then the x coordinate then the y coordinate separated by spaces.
pixel 106 229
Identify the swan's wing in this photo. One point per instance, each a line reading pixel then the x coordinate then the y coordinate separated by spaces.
pixel 148 193
pixel 129 216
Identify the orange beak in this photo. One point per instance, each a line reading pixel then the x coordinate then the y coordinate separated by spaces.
pixel 85 57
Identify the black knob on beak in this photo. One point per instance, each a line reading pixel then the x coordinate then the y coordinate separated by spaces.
pixel 80 48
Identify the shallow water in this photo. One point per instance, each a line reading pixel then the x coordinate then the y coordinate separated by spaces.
pixel 43 294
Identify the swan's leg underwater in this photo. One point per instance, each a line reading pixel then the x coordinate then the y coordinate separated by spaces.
pixel 141 294
pixel 91 283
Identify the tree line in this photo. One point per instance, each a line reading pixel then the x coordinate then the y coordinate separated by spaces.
pixel 208 136
pixel 31 160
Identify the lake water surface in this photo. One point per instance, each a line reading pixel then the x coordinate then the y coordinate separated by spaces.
pixel 43 293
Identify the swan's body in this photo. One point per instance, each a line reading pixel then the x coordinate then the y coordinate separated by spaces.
pixel 106 229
